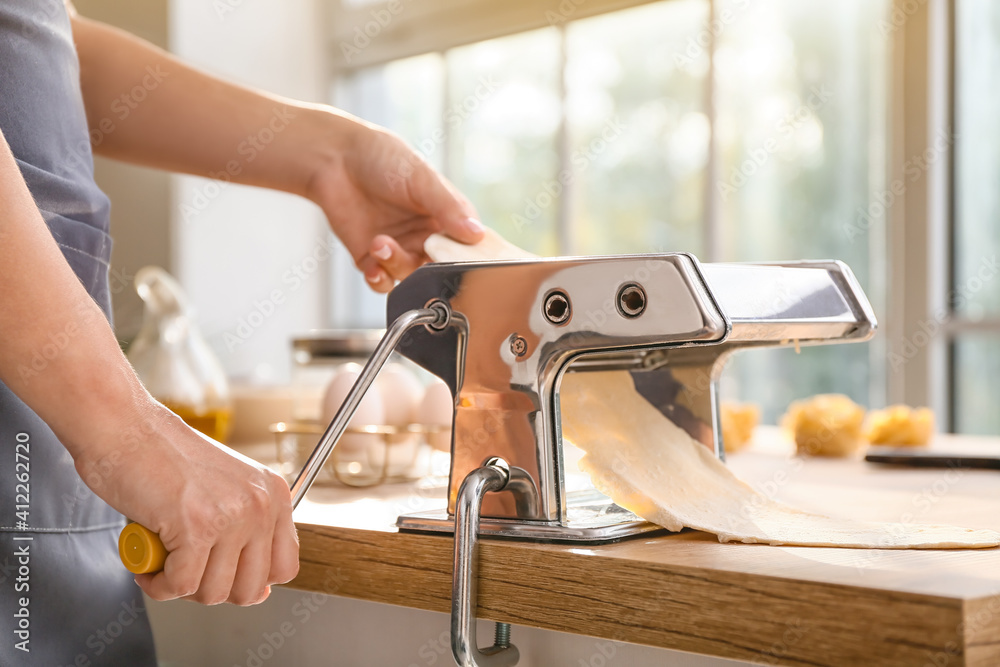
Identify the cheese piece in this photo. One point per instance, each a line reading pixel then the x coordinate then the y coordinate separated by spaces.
pixel 441 248
pixel 826 425
pixel 738 422
pixel 901 425
pixel 650 466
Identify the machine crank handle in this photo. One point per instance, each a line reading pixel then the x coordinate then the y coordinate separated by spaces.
pixel 141 550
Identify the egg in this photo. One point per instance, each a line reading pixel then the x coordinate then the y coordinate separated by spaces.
pixel 401 393
pixel 437 409
pixel 394 460
pixel 371 411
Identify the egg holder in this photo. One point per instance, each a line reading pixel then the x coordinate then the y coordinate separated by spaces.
pixel 292 438
pixel 501 334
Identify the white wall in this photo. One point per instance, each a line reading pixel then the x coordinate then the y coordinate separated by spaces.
pixel 233 245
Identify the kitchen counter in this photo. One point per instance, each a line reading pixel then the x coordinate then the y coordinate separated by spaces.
pixel 770 605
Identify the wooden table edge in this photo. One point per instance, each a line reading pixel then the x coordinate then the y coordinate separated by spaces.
pixel 755 617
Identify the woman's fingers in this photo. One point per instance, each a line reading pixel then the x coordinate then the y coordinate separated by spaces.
pixel 387 262
pixel 375 276
pixel 181 576
pixel 251 584
pixel 392 258
pixel 456 215
pixel 219 575
pixel 284 551
pixel 268 536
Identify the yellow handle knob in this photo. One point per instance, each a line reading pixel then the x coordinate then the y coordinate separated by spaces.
pixel 141 550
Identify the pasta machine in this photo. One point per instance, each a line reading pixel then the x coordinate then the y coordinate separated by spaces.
pixel 502 334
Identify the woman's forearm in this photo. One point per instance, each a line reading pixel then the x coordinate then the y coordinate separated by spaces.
pixel 380 197
pixel 58 353
pixel 147 107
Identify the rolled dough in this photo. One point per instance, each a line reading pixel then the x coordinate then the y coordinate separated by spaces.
pixel 441 248
pixel 650 466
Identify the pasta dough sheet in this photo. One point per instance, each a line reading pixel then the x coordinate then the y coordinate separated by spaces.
pixel 652 467
pixel 440 248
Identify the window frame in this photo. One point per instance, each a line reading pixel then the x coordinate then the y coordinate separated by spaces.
pixel 364 33
pixel 956 325
pixel 920 223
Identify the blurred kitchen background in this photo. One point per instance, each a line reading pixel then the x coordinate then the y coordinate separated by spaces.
pixel 738 130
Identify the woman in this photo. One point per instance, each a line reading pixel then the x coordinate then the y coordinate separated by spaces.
pixel 82 441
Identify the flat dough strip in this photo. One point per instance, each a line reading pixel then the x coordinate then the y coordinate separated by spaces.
pixel 650 466
pixel 440 248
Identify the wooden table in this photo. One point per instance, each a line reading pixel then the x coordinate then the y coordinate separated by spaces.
pixel 769 605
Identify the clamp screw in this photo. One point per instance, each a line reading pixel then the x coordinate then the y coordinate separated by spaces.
pixel 518 345
pixel 501 635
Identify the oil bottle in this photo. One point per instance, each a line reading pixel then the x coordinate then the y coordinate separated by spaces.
pixel 173 360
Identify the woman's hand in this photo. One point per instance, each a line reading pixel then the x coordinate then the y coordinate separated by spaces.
pixel 225 520
pixel 383 200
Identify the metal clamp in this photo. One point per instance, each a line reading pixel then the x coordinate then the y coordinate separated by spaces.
pixel 436 314
pixel 492 476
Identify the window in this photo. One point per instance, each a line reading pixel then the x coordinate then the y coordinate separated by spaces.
pixel 975 288
pixel 736 130
pixel 801 93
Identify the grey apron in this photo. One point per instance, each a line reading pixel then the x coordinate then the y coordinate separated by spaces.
pixel 65 599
